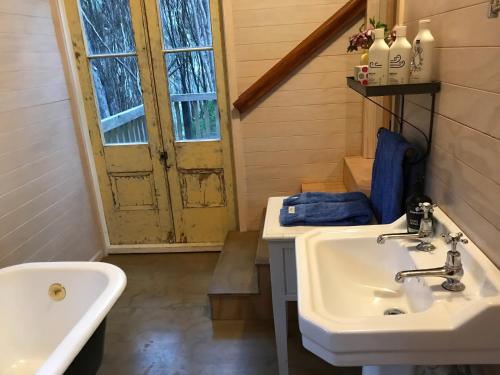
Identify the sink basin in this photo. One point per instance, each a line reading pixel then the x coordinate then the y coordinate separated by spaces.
pixel 366 284
pixel 352 312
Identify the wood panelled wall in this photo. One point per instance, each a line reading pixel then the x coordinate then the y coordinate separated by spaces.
pixel 45 207
pixel 464 170
pixel 301 132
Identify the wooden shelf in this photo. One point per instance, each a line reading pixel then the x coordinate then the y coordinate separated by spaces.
pixel 415 88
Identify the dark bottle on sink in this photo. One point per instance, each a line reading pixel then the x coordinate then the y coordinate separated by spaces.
pixel 414 215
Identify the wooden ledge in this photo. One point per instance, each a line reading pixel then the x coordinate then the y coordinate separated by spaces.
pixel 325 187
pixel 357 177
pixel 358 174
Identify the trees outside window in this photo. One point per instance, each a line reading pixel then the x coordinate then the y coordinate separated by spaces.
pixel 189 60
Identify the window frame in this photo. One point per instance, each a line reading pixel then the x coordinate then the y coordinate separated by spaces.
pixel 216 36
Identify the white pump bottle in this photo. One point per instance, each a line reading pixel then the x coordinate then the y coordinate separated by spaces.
pixel 399 58
pixel 422 53
pixel 378 60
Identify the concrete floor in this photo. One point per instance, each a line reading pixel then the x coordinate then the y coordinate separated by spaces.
pixel 161 325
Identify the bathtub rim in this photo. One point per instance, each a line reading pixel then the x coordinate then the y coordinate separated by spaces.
pixel 69 347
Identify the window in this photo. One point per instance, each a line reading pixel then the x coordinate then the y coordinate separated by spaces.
pixel 189 60
pixel 111 50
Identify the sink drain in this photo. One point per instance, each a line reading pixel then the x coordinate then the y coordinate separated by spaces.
pixel 394 311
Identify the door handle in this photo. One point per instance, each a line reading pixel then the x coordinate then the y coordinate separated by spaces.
pixel 164 159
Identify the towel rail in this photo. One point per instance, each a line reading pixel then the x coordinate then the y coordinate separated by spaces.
pixel 410 153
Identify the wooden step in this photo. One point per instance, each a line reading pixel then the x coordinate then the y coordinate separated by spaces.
pixel 234 292
pixel 235 272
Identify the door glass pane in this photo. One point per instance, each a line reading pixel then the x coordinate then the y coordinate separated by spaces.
pixel 193 97
pixel 117 87
pixel 107 25
pixel 186 23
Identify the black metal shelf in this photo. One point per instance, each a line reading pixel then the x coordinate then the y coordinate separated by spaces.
pixel 386 90
pixel 401 90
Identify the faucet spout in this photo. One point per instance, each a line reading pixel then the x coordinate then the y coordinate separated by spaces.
pixel 445 272
pixel 452 270
pixel 452 276
pixel 424 245
pixel 425 232
pixel 396 236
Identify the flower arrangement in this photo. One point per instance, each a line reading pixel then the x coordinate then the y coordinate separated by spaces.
pixel 365 37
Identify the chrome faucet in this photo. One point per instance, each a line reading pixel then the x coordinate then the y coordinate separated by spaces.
pixel 452 270
pixel 425 232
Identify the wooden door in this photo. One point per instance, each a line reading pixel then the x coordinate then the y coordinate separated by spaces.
pixel 113 66
pixel 193 107
pixel 163 158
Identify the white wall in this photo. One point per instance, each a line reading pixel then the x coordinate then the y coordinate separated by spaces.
pixel 464 171
pixel 301 132
pixel 46 212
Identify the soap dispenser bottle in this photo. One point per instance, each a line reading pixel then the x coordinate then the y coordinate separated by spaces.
pixel 399 58
pixel 422 53
pixel 414 214
pixel 378 60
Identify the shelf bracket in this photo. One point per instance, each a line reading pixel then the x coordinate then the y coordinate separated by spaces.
pixel 401 90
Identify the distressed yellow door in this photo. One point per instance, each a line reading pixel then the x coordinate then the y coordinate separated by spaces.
pixel 124 130
pixel 163 158
pixel 186 50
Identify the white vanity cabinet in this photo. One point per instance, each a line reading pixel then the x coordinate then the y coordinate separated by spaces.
pixel 281 243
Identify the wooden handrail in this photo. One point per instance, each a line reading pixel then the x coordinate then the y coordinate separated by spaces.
pixel 343 18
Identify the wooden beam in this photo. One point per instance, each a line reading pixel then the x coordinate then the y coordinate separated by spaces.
pixel 330 29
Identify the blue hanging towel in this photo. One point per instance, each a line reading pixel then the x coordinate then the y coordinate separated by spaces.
pixel 317 197
pixel 387 192
pixel 327 214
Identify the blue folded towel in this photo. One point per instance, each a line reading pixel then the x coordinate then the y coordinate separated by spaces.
pixel 331 214
pixel 387 193
pixel 317 197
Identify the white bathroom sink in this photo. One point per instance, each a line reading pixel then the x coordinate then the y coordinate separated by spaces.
pixel 346 284
pixel 42 334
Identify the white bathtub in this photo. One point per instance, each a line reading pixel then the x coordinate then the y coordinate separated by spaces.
pixel 39 335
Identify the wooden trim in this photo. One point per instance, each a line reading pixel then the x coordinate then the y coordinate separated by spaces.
pixel 164 248
pixel 400 12
pixel 78 110
pixel 111 55
pixel 373 116
pixel 239 169
pixel 324 34
pixel 97 257
pixel 189 49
